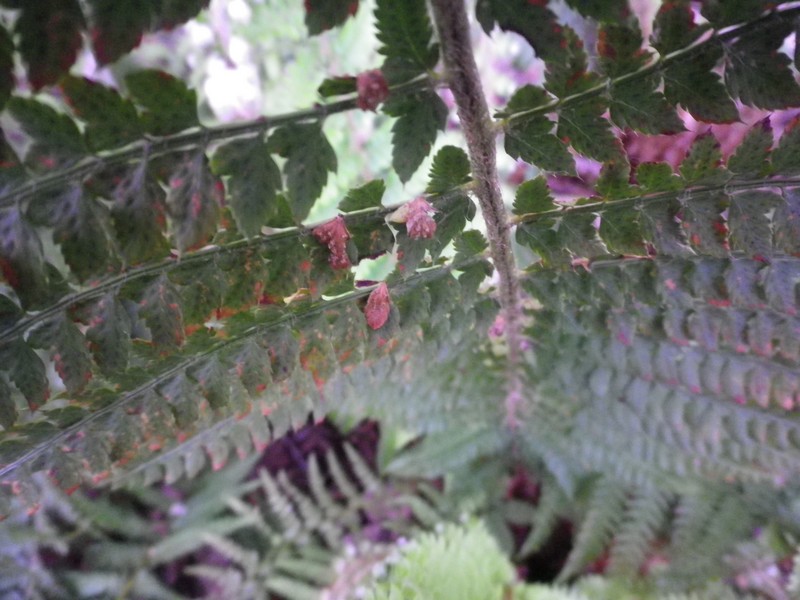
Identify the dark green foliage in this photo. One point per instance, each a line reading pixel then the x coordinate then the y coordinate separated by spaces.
pixel 532 20
pixel 405 33
pixel 364 197
pixel 419 119
pixel 253 178
pixel 309 159
pixel 55 137
pixel 168 105
pixel 450 169
pixel 533 197
pixel 322 15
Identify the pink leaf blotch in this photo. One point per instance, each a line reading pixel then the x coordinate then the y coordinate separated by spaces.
pixel 378 306
pixel 372 89
pixel 334 235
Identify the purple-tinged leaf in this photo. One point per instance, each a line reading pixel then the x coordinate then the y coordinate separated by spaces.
pixel 213 379
pixel 183 399
pixel 6 66
pixel 22 259
pixel 161 310
pixel 751 230
pixel 674 27
pixel 109 334
pixel 8 408
pixel 420 117
pixel 49 38
pixel 322 15
pixel 723 13
pixel 705 227
pixel 26 371
pixel 252 365
pixel 786 222
pixel 111 121
pixel 757 73
pixel 118 25
pixel 55 137
pixel 309 158
pixel 82 227
pixel 194 198
pixel 659 221
pixel 751 158
pixel 138 214
pixel 786 157
pixel 168 105
pixel 252 181
pixel 68 349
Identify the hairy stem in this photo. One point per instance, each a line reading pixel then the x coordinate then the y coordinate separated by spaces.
pixel 452 24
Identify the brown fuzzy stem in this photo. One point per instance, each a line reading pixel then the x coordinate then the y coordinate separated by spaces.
pixel 452 24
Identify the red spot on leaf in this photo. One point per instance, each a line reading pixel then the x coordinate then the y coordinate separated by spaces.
pixel 378 306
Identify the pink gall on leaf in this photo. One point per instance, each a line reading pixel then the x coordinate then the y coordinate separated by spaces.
pixel 419 222
pixel 372 89
pixel 334 235
pixel 378 306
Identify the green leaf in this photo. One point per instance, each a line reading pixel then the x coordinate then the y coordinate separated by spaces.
pixel 309 159
pixel 531 138
pixel 751 231
pixel 405 33
pixel 322 15
pixel 674 27
pixel 621 231
pixel 614 180
pixel 540 236
pixel 449 170
pixel 584 128
pixel 337 86
pixel 786 157
pixel 751 158
pixel 702 164
pixel 757 74
pixel 168 105
pixel 451 218
pixel 469 244
pixel 533 21
pixel 638 105
pixel 194 197
pixel 533 197
pixel 252 181
pixel 705 227
pixel 110 120
pixel 6 66
pixel 420 117
pixel 787 222
pixel 109 334
pixel 68 349
pixel 118 25
pixel 22 258
pixel 619 47
pixel 722 13
pixel 49 38
pixel 55 136
pixel 657 177
pixel 138 214
pixel 8 408
pixel 161 310
pixel 364 197
pixel 81 226
pixel 601 10
pixel 26 371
